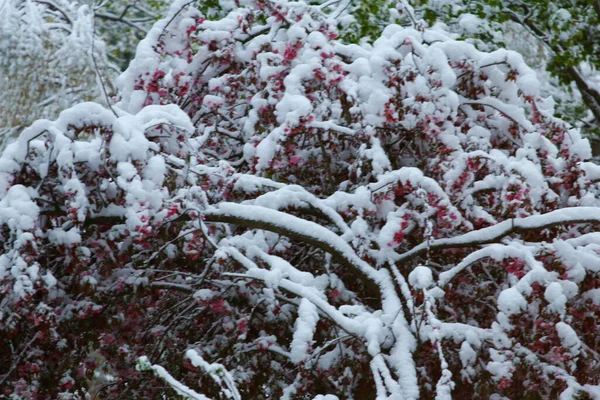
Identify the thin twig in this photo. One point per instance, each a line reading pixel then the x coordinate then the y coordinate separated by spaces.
pixel 96 69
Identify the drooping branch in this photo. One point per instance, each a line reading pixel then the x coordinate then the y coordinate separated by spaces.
pixel 257 217
pixel 53 6
pixel 347 324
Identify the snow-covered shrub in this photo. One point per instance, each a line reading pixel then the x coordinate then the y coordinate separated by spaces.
pixel 269 209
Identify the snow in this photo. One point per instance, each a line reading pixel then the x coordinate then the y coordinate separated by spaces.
pixel 293 107
pixel 204 294
pixel 126 170
pixel 498 231
pixel 280 269
pixel 568 337
pixel 470 23
pixel 593 295
pixel 304 331
pixel 309 293
pixel 421 277
pixel 292 196
pixel 180 388
pixel 554 295
pixel 500 366
pixel 17 210
pixel 66 238
pixel 304 228
pixel 467 354
pixel 49 280
pixel 155 170
pixel 217 372
pixel 511 301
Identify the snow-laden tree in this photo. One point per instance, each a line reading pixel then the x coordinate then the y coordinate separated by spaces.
pixel 269 212
pixel 564 34
pixel 558 38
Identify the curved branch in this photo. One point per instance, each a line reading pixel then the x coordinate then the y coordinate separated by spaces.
pixel 257 217
pixel 492 234
pixel 116 18
pixel 53 6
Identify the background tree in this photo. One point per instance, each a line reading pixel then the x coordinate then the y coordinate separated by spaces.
pixel 57 53
pixel 45 60
pixel 269 211
pixel 559 39
pixel 122 24
pixel 568 31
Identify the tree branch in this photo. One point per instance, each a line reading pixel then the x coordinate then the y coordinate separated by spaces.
pixel 122 20
pixel 256 217
pixel 492 234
